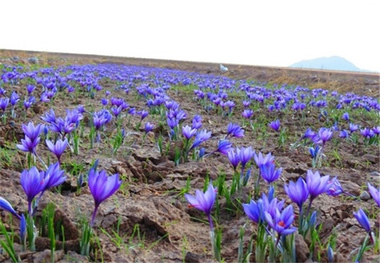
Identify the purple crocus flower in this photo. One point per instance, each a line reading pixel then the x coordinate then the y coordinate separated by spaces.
pixel 148 127
pixel 260 160
pixel 28 145
pixel 281 222
pixel 234 158
pixel 309 134
pixel 246 103
pixel 4 103
pixel 353 127
pixel 116 110
pixel 197 122
pixel 144 114
pixel 101 118
pixel 4 204
pixel 49 117
pixel 200 137
pixel 255 211
pixel 367 133
pixel 188 132
pixel 104 101
pixel 30 88
pixel 343 134
pixel 224 146
pixel 32 131
pixel 324 135
pixel 268 172
pixel 275 125
pixel 14 98
pixel 314 151
pixel 203 201
pixel 33 182
pixel 53 177
pixel 375 193
pixel 376 130
pixel 346 116
pixel 247 113
pixel 101 187
pixel 58 148
pixel 235 130
pixel 316 184
pixel 363 220
pixel 29 102
pixel 245 154
pixel 22 229
pixel 297 192
pixel 335 188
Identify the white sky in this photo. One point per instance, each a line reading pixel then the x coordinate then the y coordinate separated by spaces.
pixel 265 32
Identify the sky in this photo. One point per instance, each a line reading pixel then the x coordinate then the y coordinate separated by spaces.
pixel 264 33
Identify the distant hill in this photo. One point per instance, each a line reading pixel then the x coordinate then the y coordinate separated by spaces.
pixel 329 63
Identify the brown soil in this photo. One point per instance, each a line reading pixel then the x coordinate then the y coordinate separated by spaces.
pixel 150 199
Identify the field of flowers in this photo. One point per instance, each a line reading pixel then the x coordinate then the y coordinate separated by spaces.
pixel 122 163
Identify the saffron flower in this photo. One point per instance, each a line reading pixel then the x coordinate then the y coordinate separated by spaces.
pixel 53 177
pixel 255 211
pixel 317 184
pixel 58 148
pixel 33 182
pixel 197 122
pixel 245 154
pixel 4 204
pixel 188 132
pixel 148 127
pixel 353 127
pixel 144 114
pixel 363 220
pixel 346 116
pixel 234 130
pixel 32 131
pixel 247 113
pixel 335 188
pixel 101 187
pixel 49 117
pixel 275 125
pixel 200 137
pixel 281 222
pixel 27 145
pixel 203 201
pixel 314 151
pixel 224 146
pixel 4 103
pixel 261 160
pixel 324 135
pixel 268 172
pixel 375 193
pixel 234 158
pixel 297 191
pixel 101 118
pixel 367 133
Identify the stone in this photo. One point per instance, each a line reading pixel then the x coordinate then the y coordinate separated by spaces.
pixel 365 196
pixel 302 249
pixel 33 60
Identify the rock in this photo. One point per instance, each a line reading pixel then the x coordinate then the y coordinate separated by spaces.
pixel 374 173
pixel 302 250
pixel 365 196
pixel 372 158
pixel 33 60
pixel 197 258
pixel 44 256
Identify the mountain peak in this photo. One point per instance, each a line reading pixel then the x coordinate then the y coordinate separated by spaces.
pixel 328 63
